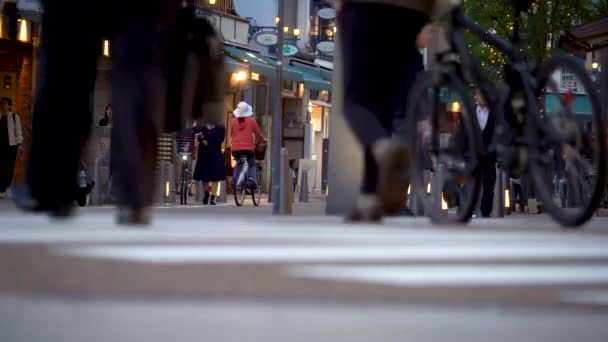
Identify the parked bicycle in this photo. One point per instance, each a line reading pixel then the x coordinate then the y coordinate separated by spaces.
pixel 185 149
pixel 536 123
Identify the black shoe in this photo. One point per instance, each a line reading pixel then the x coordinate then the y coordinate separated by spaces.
pixel 406 212
pixel 136 217
pixel 25 201
pixel 212 201
pixel 367 210
pixel 206 198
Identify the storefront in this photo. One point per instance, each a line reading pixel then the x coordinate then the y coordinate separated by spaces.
pixel 17 66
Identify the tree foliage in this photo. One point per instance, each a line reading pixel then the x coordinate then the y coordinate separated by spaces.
pixel 541 25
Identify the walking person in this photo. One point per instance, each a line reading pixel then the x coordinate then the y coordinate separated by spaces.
pixel 244 135
pixel 210 168
pixel 372 96
pixel 138 93
pixel 487 163
pixel 11 138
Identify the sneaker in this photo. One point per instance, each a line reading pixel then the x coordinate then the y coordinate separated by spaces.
pixel 393 160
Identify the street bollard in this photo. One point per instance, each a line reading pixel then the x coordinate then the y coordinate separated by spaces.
pixel 286 193
pixel 166 178
pixel 500 200
pixel 304 187
pixel 199 191
pixel 222 192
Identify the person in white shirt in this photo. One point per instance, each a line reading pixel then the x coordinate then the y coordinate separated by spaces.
pixel 487 163
pixel 10 139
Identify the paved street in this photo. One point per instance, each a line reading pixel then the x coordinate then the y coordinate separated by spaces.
pixel 239 274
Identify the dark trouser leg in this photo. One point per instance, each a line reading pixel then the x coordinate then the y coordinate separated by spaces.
pixel 370 176
pixel 8 155
pixel 375 91
pixel 253 167
pixel 488 181
pixel 62 118
pixel 137 98
pixel 3 167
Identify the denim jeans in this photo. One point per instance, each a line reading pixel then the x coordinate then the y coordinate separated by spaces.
pixel 251 171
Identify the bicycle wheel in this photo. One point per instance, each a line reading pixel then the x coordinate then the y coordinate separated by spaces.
pixel 240 191
pixel 256 194
pixel 571 135
pixel 444 146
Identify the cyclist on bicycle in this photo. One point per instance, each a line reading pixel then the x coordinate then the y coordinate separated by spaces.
pixel 244 134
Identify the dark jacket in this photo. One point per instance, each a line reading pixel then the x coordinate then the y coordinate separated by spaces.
pixel 487 135
pixel 210 162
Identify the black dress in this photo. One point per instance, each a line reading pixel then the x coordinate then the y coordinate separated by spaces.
pixel 210 163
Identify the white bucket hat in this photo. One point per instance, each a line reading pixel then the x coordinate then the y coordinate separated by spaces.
pixel 243 110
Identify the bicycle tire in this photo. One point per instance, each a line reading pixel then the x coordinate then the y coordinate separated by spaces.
pixel 433 208
pixel 256 195
pixel 571 218
pixel 239 194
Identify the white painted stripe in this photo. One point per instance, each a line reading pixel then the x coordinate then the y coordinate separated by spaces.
pixel 99 228
pixel 458 275
pixel 588 297
pixel 273 254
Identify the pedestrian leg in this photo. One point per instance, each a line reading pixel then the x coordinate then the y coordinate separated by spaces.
pixel 489 182
pixel 61 125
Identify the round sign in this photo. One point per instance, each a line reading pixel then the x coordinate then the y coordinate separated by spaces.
pixel 327 13
pixel 266 38
pixel 289 50
pixel 326 47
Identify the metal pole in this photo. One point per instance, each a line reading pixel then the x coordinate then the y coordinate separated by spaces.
pixel 277 116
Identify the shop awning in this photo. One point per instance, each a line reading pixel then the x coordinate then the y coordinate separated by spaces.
pixel 258 64
pixel 314 77
pixel 289 72
pixel 580 105
pixel 232 65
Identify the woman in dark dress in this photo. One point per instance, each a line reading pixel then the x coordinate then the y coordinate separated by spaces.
pixel 210 163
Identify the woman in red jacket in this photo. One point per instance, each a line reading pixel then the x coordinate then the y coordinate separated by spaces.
pixel 244 134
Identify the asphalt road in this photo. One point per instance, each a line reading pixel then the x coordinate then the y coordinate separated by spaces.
pixel 239 274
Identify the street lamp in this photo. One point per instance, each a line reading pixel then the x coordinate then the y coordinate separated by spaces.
pixel 106 48
pixel 24 35
pixel 212 2
pixel 240 76
pixel 277 20
pixel 595 65
pixel 286 29
pixel 455 107
pixel 296 32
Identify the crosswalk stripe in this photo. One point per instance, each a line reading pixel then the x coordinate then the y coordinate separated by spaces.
pixel 272 254
pixel 597 297
pixel 458 275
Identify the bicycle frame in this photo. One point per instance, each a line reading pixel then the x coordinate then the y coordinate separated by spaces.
pixel 521 95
